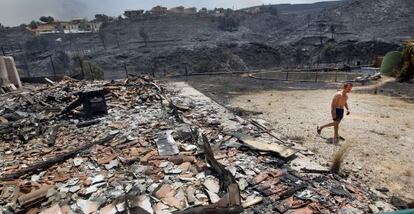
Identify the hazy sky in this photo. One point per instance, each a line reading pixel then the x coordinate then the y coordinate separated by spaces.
pixel 15 12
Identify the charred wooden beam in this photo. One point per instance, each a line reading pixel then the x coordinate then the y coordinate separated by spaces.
pixel 34 196
pixel 224 175
pixel 292 191
pixel 88 123
pixel 230 203
pixel 53 135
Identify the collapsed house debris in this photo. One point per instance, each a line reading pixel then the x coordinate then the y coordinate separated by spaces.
pixel 153 149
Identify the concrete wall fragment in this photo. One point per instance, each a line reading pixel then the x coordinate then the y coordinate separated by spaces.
pixel 4 78
pixel 12 71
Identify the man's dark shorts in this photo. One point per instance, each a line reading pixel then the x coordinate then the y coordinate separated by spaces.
pixel 339 114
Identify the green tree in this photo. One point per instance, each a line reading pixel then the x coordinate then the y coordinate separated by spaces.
pixel 33 24
pixel 102 18
pixel 330 52
pixel 47 19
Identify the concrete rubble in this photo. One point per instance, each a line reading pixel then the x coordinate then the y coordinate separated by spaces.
pixel 155 151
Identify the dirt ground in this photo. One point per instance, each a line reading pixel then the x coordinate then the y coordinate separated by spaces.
pixel 380 128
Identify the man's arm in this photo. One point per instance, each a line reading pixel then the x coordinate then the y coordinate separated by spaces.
pixel 347 109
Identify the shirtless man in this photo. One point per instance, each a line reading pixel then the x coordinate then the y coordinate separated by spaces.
pixel 337 110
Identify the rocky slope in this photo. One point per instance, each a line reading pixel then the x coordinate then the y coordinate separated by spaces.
pixel 330 32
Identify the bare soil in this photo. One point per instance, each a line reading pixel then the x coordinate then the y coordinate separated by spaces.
pixel 380 127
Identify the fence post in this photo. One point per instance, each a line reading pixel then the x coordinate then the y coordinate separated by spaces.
pixel 90 67
pixel 336 75
pixel 26 64
pixel 117 40
pixel 287 75
pixel 81 67
pixel 153 71
pixel 316 76
pixel 53 66
pixel 126 70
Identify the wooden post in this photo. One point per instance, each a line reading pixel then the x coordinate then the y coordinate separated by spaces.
pixel 316 76
pixel 186 72
pixel 336 75
pixel 287 75
pixel 126 70
pixel 117 40
pixel 154 66
pixel 26 63
pixel 81 67
pixel 90 67
pixel 53 66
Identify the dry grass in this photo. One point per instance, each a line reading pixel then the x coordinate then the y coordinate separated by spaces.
pixel 339 157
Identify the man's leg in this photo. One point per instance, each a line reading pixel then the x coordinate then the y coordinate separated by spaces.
pixel 319 129
pixel 336 128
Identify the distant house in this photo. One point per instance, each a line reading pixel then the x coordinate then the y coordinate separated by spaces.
pixel 190 10
pixel 95 26
pixel 103 18
pixel 44 29
pixel 254 10
pixel 132 14
pixel 79 25
pixel 183 11
pixel 203 11
pixel 158 10
pixel 219 12
pixel 176 10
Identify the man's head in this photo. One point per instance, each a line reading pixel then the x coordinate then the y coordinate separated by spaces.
pixel 348 87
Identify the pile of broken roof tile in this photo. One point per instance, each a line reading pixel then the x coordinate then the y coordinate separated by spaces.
pixel 157 150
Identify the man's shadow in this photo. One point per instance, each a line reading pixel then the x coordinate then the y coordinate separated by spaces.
pixel 330 140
